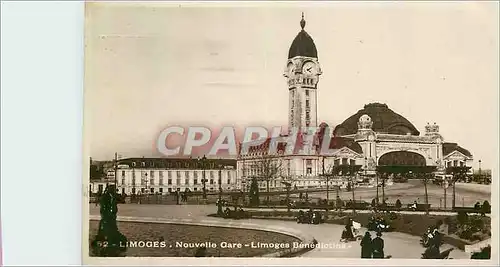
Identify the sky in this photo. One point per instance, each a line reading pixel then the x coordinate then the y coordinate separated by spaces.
pixel 151 65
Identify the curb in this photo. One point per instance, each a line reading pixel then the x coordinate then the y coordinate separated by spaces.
pixel 306 240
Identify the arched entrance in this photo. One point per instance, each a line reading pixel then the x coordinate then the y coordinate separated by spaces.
pixel 401 158
pixel 403 165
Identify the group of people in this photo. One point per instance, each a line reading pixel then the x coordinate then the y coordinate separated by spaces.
pixel 432 240
pixel 372 248
pixel 378 223
pixel 311 217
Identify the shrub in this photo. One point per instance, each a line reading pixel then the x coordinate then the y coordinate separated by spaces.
pixel 485 254
pixel 486 208
pixel 462 217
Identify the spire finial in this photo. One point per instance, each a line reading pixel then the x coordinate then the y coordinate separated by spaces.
pixel 302 21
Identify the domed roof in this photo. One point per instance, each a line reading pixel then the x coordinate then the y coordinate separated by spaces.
pixel 384 121
pixel 303 44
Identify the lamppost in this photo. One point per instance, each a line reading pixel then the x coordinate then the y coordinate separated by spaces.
pixel 327 182
pixel 219 206
pixel 204 179
pixel 480 170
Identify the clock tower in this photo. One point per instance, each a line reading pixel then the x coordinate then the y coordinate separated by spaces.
pixel 302 72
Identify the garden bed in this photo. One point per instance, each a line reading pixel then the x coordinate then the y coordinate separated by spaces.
pixel 171 234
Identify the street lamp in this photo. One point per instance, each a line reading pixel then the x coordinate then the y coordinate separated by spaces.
pixel 480 170
pixel 219 206
pixel 204 180
pixel 327 182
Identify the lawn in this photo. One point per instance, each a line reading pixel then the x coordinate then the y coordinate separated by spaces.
pixel 171 234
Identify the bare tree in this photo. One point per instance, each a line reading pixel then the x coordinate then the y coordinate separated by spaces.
pixel 268 168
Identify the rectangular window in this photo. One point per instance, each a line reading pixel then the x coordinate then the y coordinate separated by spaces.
pixel 123 173
pixel 461 163
pixel 133 191
pixel 186 181
pixel 160 174
pixel 195 174
pixel 186 173
pixel 169 174
pixel 307 103
pixel 123 181
pixel 352 162
pixel 161 190
pixel 455 163
pixel 211 174
pixel 152 190
pixel 143 181
pixel 228 180
pixel 229 174
pixel 344 161
pixel 309 170
pixel 336 162
pixel 178 174
pixel 142 190
pixel 152 174
pixel 170 190
pixel 152 181
pixel 307 92
pixel 178 181
pixel 161 181
pixel 195 181
pixel 308 161
pixel 211 181
pixel 169 181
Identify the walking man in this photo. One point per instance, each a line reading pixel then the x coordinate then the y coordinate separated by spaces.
pixel 366 246
pixel 378 246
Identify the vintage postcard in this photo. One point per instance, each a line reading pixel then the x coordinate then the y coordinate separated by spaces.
pixel 291 133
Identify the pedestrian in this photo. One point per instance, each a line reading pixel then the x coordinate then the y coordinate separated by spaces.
pixel 338 204
pixel 378 246
pixel 366 246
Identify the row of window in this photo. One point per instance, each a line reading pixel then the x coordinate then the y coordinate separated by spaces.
pixel 169 181
pixel 211 174
pixel 455 163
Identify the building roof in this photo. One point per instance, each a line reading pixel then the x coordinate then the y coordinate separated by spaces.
pixel 384 121
pixel 450 147
pixel 340 142
pixel 303 45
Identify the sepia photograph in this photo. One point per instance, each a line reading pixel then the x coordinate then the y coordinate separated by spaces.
pixel 298 132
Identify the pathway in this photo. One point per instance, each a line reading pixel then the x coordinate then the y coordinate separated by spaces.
pixel 398 245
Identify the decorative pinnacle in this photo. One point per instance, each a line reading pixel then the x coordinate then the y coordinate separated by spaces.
pixel 302 21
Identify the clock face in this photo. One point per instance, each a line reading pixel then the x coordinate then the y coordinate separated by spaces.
pixel 309 68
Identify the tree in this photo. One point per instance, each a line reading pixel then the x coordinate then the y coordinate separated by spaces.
pixel 268 168
pixel 329 173
pixel 254 193
pixel 425 180
pixel 458 173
